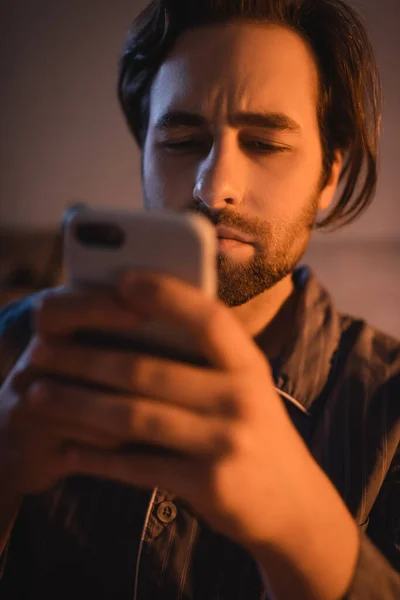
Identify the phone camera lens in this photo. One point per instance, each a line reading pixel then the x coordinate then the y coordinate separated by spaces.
pixel 100 235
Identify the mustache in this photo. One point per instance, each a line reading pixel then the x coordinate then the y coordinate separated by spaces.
pixel 227 218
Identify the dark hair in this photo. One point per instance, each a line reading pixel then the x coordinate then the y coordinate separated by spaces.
pixel 349 110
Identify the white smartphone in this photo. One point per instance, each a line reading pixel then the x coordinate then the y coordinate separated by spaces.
pixel 99 245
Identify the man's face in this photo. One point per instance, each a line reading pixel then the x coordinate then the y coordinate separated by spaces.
pixel 233 134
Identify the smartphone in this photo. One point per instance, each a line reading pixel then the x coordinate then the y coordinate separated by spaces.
pixel 100 245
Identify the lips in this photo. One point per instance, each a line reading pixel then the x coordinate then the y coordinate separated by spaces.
pixel 232 234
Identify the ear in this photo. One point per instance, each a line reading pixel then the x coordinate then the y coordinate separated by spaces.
pixel 328 192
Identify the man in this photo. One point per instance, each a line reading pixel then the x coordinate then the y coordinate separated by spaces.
pixel 279 476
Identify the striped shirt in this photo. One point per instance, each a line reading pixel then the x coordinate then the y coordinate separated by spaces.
pixel 86 538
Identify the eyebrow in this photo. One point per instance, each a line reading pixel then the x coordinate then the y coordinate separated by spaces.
pixel 268 120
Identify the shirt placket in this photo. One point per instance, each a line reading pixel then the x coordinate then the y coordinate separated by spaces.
pixel 155 544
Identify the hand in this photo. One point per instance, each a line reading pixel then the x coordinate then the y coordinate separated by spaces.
pixel 237 455
pixel 33 440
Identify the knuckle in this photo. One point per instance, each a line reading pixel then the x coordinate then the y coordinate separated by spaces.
pixel 152 426
pixel 40 393
pixel 240 393
pixel 144 424
pixel 239 439
pixel 230 440
pixel 145 374
pixel 156 376
pixel 221 443
pixel 229 406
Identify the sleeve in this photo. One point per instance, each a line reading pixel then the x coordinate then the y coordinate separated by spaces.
pixel 15 333
pixel 374 577
pixel 377 575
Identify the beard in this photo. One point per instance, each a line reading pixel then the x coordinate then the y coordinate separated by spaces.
pixel 238 284
pixel 278 249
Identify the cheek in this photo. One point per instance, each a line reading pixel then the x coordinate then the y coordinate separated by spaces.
pixel 167 183
pixel 281 187
pixel 154 180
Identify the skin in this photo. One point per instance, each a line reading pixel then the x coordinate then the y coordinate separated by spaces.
pixel 261 180
pixel 225 423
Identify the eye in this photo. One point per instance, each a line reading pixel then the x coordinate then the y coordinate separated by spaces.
pixel 189 144
pixel 263 147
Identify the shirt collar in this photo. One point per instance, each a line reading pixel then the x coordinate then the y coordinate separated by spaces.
pixel 303 366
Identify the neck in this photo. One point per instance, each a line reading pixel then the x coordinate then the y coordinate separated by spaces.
pixel 259 312
pixel 269 312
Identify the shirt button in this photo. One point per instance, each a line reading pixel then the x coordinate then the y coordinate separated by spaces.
pixel 166 512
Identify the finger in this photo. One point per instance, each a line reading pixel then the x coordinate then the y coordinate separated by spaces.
pixel 130 419
pixel 29 421
pixel 169 472
pixel 64 312
pixel 220 336
pixel 202 390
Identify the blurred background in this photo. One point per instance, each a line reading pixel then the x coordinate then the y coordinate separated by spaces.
pixel 63 140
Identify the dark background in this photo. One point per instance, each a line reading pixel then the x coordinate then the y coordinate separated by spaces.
pixel 64 140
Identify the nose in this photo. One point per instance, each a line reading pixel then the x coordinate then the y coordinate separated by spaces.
pixel 220 177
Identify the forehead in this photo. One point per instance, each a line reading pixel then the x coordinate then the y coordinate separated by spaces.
pixel 230 67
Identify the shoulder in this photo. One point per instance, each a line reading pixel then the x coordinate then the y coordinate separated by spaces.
pixel 375 353
pixel 369 362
